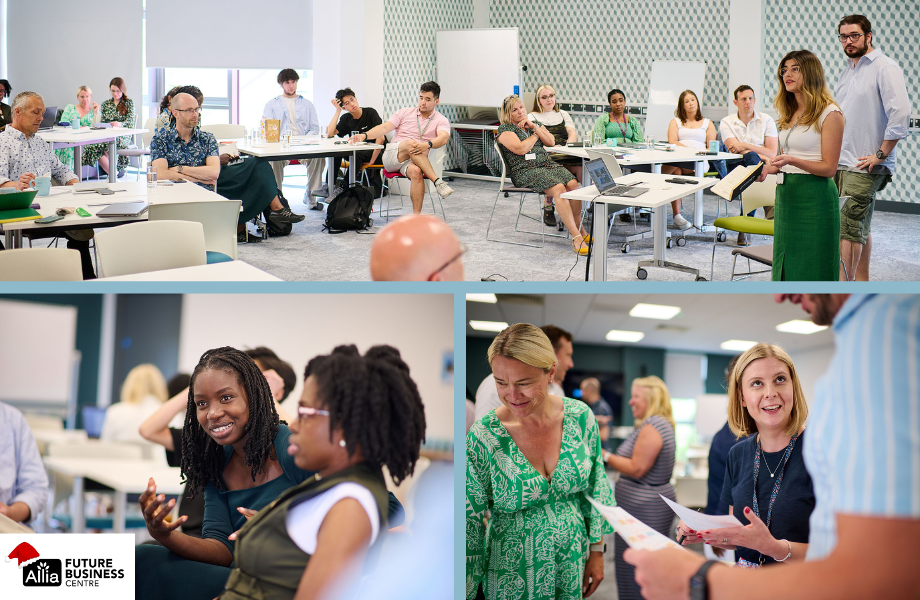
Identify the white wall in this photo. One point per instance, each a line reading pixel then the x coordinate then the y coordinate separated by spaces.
pixel 684 374
pixel 300 326
pixel 745 50
pixel 810 366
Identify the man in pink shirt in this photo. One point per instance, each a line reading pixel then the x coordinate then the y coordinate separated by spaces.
pixel 418 130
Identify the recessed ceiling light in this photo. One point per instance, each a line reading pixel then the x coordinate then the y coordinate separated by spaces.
pixel 615 335
pixel 654 311
pixel 488 325
pixel 800 326
pixel 737 345
pixel 488 298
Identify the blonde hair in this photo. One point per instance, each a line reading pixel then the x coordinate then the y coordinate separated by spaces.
pixel 739 420
pixel 814 87
pixel 84 88
pixel 659 399
pixel 508 107
pixel 143 381
pixel 536 99
pixel 526 343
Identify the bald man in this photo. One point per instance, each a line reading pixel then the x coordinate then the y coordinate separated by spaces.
pixel 417 248
pixel 591 394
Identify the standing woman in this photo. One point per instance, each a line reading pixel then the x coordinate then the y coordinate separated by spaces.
pixel 766 485
pixel 617 125
pixel 562 127
pixel 688 128
pixel 86 112
pixel 118 112
pixel 531 462
pixel 806 241
pixel 645 462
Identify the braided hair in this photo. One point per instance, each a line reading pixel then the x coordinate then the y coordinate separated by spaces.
pixel 376 404
pixel 202 457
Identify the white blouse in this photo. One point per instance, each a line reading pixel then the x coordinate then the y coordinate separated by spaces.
pixel 692 137
pixel 803 142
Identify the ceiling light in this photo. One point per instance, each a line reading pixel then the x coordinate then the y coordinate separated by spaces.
pixel 487 298
pixel 488 325
pixel 737 345
pixel 654 311
pixel 615 335
pixel 800 326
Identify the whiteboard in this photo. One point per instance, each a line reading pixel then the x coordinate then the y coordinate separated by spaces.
pixel 711 414
pixel 37 354
pixel 477 67
pixel 669 79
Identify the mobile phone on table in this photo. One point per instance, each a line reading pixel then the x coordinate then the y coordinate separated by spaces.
pixel 105 191
pixel 49 219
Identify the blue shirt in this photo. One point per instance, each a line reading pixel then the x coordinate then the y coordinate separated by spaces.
pixel 722 443
pixel 873 98
pixel 863 451
pixel 19 154
pixel 167 144
pixel 307 121
pixel 22 473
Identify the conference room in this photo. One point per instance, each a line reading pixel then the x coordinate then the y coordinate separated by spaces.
pixel 112 403
pixel 479 53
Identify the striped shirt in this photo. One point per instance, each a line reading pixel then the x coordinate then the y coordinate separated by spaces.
pixel 864 449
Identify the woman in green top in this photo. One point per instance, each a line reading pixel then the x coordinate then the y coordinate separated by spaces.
pixel 87 113
pixel 118 112
pixel 531 463
pixel 617 124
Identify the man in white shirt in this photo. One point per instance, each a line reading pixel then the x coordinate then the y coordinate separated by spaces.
pixel 297 114
pixel 873 96
pixel 487 395
pixel 749 133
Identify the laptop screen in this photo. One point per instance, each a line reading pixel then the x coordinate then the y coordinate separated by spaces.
pixel 600 174
pixel 49 117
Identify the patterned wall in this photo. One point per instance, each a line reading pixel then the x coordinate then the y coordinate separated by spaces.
pixel 793 24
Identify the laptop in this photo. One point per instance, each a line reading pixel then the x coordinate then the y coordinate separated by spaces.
pixel 603 177
pixel 124 209
pixel 48 119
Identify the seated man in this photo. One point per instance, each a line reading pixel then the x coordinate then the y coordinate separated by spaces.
pixel 186 152
pixel 417 248
pixel 23 482
pixel 418 130
pixel 23 157
pixel 297 114
pixel 361 120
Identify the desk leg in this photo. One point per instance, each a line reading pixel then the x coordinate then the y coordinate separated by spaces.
pixel 78 162
pixel 78 518
pixel 330 177
pixel 599 241
pixel 352 166
pixel 698 201
pixel 660 232
pixel 113 161
pixel 118 517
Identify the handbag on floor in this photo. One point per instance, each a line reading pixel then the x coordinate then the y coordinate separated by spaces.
pixel 350 210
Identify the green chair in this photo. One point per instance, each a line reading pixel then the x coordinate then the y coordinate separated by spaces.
pixel 758 195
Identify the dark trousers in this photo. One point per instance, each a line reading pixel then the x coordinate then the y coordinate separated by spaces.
pixel 86 261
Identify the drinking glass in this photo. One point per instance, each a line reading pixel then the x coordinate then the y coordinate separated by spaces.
pixel 151 176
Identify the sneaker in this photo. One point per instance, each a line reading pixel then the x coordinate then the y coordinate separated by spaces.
pixel 244 237
pixel 549 217
pixel 316 206
pixel 744 239
pixel 680 222
pixel 121 172
pixel 279 217
pixel 443 189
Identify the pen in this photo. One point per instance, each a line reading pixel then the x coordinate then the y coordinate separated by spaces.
pixel 680 542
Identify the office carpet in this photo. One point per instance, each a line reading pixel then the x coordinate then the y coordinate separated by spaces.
pixel 309 254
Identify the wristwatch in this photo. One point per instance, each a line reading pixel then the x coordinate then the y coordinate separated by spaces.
pixel 880 155
pixel 429 144
pixel 180 168
pixel 598 547
pixel 698 587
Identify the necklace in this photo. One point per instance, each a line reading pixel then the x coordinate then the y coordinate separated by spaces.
pixel 773 471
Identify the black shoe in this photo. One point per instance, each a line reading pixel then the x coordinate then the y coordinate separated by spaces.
pixel 317 206
pixel 121 172
pixel 283 216
pixel 626 218
pixel 744 239
pixel 549 217
pixel 244 237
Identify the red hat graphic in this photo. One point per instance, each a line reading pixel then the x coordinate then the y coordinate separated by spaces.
pixel 24 552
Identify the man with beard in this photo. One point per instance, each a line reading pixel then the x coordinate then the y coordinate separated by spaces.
pixel 873 97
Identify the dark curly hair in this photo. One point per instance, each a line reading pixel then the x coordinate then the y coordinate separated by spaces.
pixel 375 402
pixel 202 457
pixel 270 360
pixel 287 75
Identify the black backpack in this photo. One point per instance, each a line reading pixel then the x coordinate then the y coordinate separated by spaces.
pixel 350 210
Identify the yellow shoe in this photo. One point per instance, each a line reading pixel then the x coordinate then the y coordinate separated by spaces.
pixel 587 238
pixel 581 248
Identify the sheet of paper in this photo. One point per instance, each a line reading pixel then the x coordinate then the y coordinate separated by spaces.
pixel 699 521
pixel 636 533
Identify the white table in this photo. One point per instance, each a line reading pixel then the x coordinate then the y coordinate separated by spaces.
pixel 655 158
pixel 323 149
pixel 236 270
pixel 77 138
pixel 62 196
pixel 657 199
pixel 46 437
pixel 123 476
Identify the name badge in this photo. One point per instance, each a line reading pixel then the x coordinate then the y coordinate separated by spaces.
pixel 780 177
pixel 530 156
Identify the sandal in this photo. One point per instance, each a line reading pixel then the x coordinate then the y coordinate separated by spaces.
pixel 581 249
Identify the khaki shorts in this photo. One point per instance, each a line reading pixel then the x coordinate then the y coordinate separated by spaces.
pixel 390 161
pixel 856 213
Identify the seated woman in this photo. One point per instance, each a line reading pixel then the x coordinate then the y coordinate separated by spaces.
pixel 562 127
pixel 617 125
pixel 235 448
pixel 316 535
pixel 118 111
pixel 87 113
pixel 142 394
pixel 765 399
pixel 689 129
pixel 6 113
pixel 518 138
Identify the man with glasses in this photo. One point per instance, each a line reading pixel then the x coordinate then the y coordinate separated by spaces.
pixel 184 151
pixel 872 94
pixel 417 248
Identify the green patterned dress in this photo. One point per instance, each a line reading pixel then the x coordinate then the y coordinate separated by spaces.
pixel 536 542
pixel 110 113
pixel 91 153
pixel 538 174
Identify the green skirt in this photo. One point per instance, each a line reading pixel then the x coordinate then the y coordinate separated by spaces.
pixel 251 181
pixel 806 238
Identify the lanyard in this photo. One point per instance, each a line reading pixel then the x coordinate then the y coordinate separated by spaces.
pixel 786 143
pixel 776 486
pixel 421 132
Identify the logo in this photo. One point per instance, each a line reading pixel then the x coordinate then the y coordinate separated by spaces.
pixel 71 572
pixel 36 571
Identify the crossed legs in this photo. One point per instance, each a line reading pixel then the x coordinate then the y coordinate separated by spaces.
pixel 417 172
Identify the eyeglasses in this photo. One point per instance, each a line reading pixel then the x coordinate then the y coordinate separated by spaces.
pixel 851 37
pixel 463 250
pixel 309 411
pixel 189 110
pixel 794 69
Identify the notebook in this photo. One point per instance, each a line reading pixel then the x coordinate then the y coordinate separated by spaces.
pixel 124 209
pixel 16 206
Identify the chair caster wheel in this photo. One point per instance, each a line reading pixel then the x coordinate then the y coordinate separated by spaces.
pixel 625 249
pixel 669 243
pixel 722 237
pixel 642 274
pixel 681 241
pixel 700 278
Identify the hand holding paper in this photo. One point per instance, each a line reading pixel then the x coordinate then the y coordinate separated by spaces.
pixel 636 533
pixel 700 521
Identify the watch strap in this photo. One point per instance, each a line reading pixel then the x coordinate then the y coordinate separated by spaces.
pixel 881 155
pixel 598 547
pixel 699 589
pixel 430 145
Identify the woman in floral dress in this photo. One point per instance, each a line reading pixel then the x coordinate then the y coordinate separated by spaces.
pixel 531 463
pixel 87 112
pixel 118 112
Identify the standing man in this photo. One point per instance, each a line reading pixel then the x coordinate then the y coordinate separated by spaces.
pixel 359 119
pixel 418 130
pixel 591 394
pixel 873 97
pixel 297 114
pixel 749 133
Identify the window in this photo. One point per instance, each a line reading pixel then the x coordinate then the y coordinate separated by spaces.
pixel 684 412
pixel 258 86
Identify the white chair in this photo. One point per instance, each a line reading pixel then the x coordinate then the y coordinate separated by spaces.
pixel 150 246
pixel 40 264
pixel 143 152
pixel 225 131
pixel 219 218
